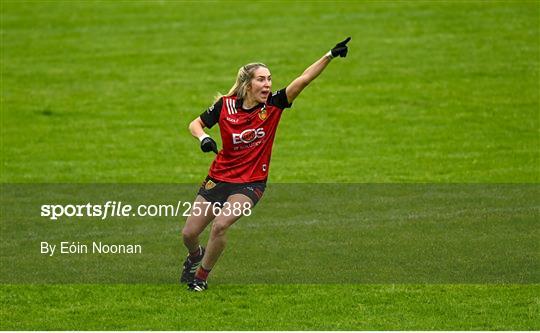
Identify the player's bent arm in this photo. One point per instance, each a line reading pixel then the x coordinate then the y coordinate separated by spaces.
pixel 297 85
pixel 207 143
pixel 196 128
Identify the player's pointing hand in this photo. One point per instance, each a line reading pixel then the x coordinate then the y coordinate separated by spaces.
pixel 341 49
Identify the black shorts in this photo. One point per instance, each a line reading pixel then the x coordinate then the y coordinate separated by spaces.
pixel 217 191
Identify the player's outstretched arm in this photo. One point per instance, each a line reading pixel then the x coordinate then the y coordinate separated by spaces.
pixel 297 85
pixel 207 143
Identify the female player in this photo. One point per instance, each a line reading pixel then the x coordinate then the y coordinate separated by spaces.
pixel 248 117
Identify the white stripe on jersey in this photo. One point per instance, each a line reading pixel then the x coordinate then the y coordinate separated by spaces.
pixel 233 106
pixel 230 106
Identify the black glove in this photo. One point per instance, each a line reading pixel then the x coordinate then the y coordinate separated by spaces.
pixel 208 144
pixel 341 49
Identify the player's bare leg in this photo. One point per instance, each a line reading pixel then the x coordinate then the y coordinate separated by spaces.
pixel 218 239
pixel 195 224
pixel 218 233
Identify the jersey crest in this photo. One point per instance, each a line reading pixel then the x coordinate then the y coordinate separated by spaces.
pixel 263 113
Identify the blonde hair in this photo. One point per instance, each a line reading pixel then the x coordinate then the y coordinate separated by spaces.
pixel 243 79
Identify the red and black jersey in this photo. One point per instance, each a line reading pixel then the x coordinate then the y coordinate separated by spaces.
pixel 247 137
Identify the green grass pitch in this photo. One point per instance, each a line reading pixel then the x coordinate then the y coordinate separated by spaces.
pixel 430 93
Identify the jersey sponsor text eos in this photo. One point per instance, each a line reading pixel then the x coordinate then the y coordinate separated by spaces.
pixel 248 135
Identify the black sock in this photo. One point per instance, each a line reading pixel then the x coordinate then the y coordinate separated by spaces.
pixel 196 253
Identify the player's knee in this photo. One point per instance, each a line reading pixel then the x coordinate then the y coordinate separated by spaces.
pixel 188 234
pixel 219 227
